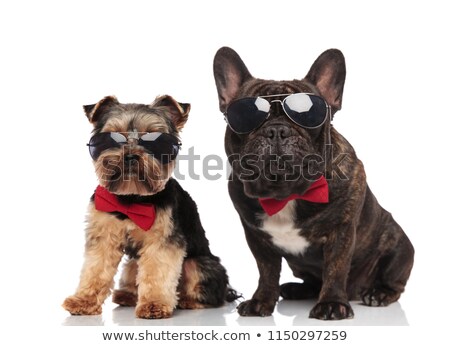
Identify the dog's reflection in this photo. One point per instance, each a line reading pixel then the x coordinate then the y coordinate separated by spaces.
pixel 125 316
pixel 392 315
pixel 91 320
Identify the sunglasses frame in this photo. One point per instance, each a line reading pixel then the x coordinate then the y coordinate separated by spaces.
pixel 134 136
pixel 284 110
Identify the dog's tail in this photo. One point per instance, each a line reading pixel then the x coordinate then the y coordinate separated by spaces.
pixel 232 295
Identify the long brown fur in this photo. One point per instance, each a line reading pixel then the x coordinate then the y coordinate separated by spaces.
pixel 170 264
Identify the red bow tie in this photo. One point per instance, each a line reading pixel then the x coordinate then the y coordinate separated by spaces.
pixel 142 215
pixel 317 193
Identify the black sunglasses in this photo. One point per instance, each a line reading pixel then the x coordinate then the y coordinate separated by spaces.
pixel 162 146
pixel 247 114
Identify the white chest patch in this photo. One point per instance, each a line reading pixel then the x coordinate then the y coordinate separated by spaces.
pixel 284 235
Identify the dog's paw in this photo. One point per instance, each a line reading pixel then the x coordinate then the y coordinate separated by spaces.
pixel 255 307
pixel 82 306
pixel 331 311
pixel 379 297
pixel 153 311
pixel 124 298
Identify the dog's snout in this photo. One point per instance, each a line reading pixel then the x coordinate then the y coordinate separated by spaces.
pixel 275 132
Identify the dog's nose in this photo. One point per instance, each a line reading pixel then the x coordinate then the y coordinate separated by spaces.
pixel 130 158
pixel 277 131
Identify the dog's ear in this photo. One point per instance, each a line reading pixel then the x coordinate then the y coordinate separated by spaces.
pixel 95 111
pixel 230 73
pixel 177 111
pixel 328 75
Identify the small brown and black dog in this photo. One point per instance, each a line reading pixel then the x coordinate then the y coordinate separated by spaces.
pixel 140 211
pixel 302 195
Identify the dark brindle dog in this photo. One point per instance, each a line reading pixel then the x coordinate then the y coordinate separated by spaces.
pixel 301 192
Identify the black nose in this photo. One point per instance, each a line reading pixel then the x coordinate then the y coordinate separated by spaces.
pixel 130 158
pixel 277 131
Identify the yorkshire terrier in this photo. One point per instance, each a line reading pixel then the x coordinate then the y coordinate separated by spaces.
pixel 140 211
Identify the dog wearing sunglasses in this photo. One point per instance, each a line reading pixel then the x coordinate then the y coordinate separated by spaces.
pixel 301 193
pixel 138 210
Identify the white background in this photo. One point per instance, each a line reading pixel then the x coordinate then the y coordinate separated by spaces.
pixel 57 56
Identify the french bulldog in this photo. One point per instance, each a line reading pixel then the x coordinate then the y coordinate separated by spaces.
pixel 301 193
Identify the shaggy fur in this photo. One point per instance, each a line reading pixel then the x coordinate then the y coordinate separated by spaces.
pixel 169 265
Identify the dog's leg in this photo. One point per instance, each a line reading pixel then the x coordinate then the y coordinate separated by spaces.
pixel 159 267
pixel 158 276
pixel 190 288
pixel 394 269
pixel 103 251
pixel 333 302
pixel 126 295
pixel 269 266
pixel 203 283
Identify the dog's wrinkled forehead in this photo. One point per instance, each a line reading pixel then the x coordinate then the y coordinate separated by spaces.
pixel 130 117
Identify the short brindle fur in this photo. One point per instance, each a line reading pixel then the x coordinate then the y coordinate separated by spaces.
pixel 169 265
pixel 350 248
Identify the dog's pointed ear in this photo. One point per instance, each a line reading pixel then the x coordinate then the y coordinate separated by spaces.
pixel 230 73
pixel 328 74
pixel 177 111
pixel 95 111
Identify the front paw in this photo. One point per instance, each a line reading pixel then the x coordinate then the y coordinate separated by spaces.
pixel 255 307
pixel 331 311
pixel 82 306
pixel 153 311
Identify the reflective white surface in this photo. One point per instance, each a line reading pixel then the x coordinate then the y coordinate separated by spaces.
pixel 287 313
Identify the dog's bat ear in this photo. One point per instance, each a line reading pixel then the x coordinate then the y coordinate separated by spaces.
pixel 328 74
pixel 177 111
pixel 230 73
pixel 95 111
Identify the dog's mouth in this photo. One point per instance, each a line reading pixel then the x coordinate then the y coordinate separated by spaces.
pixel 277 169
pixel 274 189
pixel 276 176
pixel 133 174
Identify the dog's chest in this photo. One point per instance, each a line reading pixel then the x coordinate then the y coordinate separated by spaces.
pixel 283 231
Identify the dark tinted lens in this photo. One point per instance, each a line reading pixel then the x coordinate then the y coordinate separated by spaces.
pixel 247 114
pixel 163 146
pixel 308 111
pixel 104 141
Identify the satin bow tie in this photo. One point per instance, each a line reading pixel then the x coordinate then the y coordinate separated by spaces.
pixel 142 215
pixel 316 193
